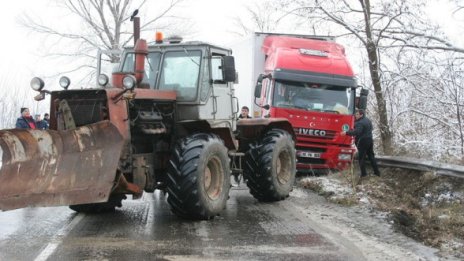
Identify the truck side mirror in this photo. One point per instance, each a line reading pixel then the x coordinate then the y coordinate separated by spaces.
pixel 362 104
pixel 228 68
pixel 259 84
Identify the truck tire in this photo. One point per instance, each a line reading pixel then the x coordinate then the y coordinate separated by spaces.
pixel 94 208
pixel 199 177
pixel 270 166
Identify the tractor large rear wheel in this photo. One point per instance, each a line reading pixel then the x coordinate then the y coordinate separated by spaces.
pixel 199 177
pixel 270 166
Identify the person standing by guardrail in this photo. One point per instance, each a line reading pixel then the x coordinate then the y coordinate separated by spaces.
pixel 363 138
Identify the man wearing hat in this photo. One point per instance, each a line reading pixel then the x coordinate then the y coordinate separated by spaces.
pixel 25 121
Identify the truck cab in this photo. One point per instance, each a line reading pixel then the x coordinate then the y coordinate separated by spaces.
pixel 309 81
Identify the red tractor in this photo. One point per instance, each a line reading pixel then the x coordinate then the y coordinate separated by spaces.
pixel 167 121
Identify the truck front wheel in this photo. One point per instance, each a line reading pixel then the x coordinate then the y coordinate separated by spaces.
pixel 270 166
pixel 199 177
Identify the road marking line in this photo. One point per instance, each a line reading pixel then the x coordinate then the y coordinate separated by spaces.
pixel 57 238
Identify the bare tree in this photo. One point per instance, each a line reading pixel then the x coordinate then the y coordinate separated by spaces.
pixel 442 102
pixel 265 16
pixel 103 24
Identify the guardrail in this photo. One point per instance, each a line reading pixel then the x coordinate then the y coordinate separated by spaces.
pixel 421 165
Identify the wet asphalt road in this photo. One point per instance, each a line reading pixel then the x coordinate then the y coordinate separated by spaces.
pixel 145 229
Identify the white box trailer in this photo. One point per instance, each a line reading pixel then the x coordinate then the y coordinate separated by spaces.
pixel 249 62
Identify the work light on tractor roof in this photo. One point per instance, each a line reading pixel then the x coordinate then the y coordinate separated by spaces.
pixel 37 84
pixel 65 82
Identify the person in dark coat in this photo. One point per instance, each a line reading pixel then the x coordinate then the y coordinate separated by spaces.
pixel 39 123
pixel 47 119
pixel 363 138
pixel 245 113
pixel 25 121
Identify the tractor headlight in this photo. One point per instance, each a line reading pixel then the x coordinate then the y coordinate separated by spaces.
pixel 103 80
pixel 37 84
pixel 129 82
pixel 65 82
pixel 343 156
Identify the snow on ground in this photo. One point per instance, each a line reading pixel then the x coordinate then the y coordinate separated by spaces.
pixel 421 211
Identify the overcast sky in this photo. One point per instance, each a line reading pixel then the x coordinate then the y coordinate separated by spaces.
pixel 211 20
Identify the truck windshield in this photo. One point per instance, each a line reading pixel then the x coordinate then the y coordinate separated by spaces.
pixel 313 97
pixel 180 71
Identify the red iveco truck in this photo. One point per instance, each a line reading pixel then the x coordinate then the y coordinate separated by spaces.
pixel 309 81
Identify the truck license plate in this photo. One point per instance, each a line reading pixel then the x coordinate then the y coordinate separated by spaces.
pixel 306 154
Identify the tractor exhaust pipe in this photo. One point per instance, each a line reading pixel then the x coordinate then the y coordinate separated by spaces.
pixel 136 22
pixel 141 51
pixel 136 29
pixel 140 48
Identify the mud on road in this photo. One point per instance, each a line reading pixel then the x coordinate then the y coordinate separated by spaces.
pixel 422 206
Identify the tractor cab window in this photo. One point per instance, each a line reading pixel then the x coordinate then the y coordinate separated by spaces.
pixel 180 71
pixel 151 67
pixel 216 70
pixel 313 97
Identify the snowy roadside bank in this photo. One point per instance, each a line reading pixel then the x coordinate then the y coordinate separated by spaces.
pixel 422 206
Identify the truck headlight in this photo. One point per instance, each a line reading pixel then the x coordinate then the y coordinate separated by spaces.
pixel 37 84
pixel 65 82
pixel 343 156
pixel 129 82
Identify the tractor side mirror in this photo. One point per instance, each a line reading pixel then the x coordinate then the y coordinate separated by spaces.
pixel 228 68
pixel 362 103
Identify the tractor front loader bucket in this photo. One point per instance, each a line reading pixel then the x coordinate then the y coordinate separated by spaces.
pixel 51 168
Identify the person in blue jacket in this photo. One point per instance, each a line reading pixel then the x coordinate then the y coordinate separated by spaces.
pixel 25 121
pixel 39 123
pixel 47 120
pixel 363 138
